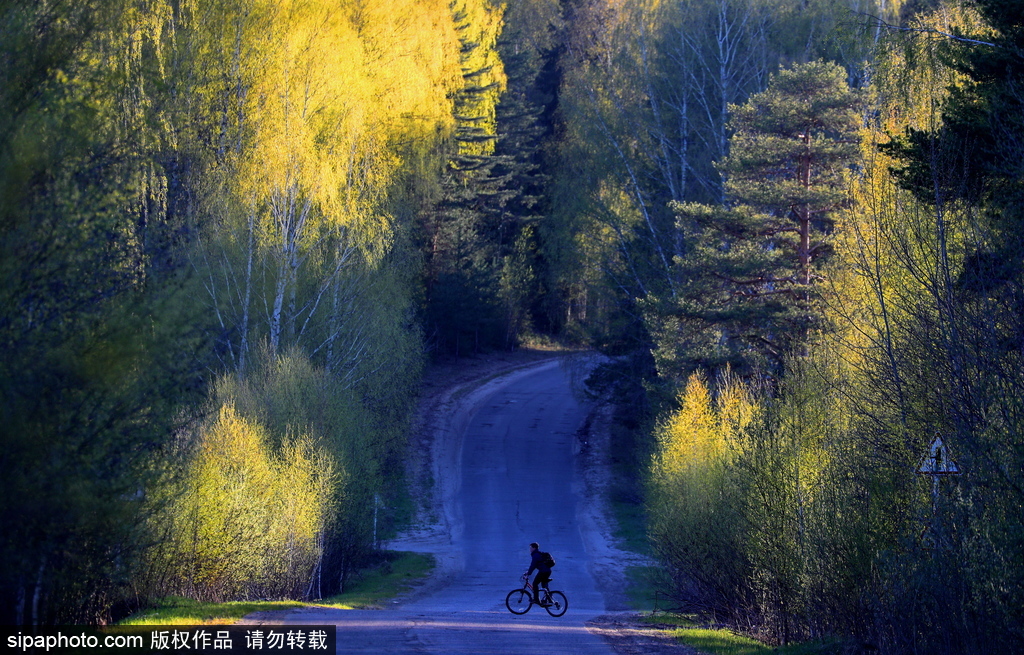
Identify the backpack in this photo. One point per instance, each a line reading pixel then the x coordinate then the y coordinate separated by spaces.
pixel 548 559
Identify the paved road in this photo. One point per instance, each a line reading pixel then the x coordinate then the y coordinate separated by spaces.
pixel 516 487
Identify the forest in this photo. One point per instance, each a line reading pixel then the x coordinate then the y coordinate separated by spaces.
pixel 234 233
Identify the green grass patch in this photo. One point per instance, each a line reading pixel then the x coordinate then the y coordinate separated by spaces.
pixel 375 586
pixel 720 642
pixel 394 574
pixel 184 611
pixel 625 494
pixel 686 630
pixel 724 642
pixel 631 522
pixel 644 585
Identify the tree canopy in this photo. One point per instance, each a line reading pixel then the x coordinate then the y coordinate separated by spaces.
pixel 235 232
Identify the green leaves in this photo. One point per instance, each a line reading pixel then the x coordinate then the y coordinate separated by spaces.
pixel 178 183
pixel 752 267
pixel 247 519
pixel 98 341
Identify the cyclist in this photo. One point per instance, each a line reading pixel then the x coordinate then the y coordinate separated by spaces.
pixel 539 561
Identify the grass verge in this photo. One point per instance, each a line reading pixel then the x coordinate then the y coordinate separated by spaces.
pixel 718 641
pixel 376 586
pixel 395 574
pixel 185 611
pixel 644 585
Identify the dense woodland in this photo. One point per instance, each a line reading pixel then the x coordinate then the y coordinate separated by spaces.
pixel 235 231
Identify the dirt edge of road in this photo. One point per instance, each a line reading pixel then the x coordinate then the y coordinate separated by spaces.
pixel 448 398
pixel 448 394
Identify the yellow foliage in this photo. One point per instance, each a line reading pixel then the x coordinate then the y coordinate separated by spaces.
pixel 690 437
pixel 704 430
pixel 310 103
pixel 318 111
pixel 410 51
pixel 245 522
pixel 323 93
pixel 479 23
pixel 888 240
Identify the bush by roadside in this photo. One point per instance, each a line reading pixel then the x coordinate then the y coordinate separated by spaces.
pixel 391 575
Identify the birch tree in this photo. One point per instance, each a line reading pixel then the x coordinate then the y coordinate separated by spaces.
pixel 326 96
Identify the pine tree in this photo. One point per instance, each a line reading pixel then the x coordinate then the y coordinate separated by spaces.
pixel 480 247
pixel 751 271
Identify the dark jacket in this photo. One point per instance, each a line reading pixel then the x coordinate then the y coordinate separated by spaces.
pixel 540 562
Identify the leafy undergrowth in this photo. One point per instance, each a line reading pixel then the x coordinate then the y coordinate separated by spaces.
pixel 643 587
pixel 644 583
pixel 725 642
pixel 374 587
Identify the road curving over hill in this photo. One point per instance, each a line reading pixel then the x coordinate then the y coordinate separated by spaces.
pixel 505 457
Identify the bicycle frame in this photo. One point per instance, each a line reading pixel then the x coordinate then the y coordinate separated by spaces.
pixel 519 601
pixel 528 585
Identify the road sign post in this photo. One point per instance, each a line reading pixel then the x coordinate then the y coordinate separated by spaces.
pixel 937 464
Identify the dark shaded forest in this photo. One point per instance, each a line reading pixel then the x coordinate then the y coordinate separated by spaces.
pixel 235 232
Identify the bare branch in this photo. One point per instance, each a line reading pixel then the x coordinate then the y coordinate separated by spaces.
pixel 879 22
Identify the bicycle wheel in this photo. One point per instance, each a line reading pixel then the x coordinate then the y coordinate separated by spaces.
pixel 557 603
pixel 518 601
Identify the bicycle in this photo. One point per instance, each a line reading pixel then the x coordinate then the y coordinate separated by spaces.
pixel 519 601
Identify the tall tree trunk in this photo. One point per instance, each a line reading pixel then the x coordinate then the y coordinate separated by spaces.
pixel 243 354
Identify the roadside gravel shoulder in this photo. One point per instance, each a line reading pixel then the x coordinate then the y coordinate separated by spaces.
pixel 627 635
pixel 448 395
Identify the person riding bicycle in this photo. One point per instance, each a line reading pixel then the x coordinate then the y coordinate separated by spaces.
pixel 541 562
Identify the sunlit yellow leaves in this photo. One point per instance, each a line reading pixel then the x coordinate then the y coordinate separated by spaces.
pixel 694 504
pixel 911 76
pixel 330 88
pixel 704 429
pixel 320 113
pixel 888 238
pixel 410 52
pixel 478 23
pixel 309 111
pixel 690 436
pixel 245 522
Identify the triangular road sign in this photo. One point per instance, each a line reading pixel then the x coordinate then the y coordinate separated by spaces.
pixel 938 461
